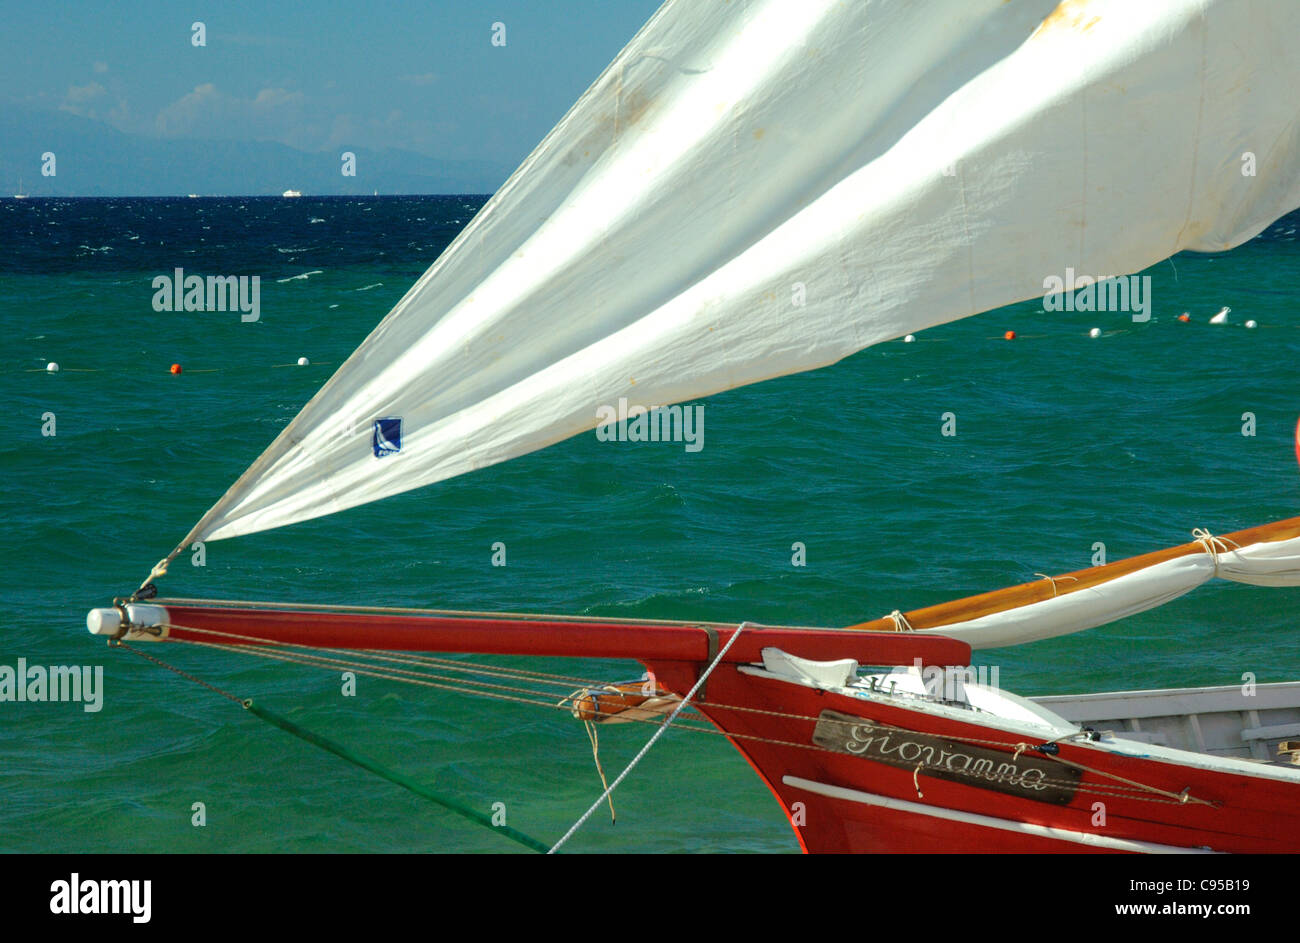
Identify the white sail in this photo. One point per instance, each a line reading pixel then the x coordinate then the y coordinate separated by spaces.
pixel 758 188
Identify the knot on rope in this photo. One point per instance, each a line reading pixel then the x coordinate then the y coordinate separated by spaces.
pixel 147 589
pixel 1053 580
pixel 900 622
pixel 1213 545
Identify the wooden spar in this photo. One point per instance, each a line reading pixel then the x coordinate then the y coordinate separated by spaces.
pixel 1012 597
pixel 685 642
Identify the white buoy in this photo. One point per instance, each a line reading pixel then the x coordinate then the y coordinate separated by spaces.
pixel 51 367
pixel 909 338
pixel 1251 324
pixel 1222 316
pixel 1095 332
pixel 303 362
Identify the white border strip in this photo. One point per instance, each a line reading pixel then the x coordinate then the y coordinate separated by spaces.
pixel 987 821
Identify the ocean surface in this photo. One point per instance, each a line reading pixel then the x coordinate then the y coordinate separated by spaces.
pixel 1130 439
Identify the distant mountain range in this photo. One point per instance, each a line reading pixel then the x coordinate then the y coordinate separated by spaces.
pixel 95 159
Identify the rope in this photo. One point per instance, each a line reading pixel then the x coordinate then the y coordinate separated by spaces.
pixel 594 736
pixel 1131 788
pixel 118 643
pixel 466 667
pixel 1213 545
pixel 310 655
pixel 651 742
pixel 900 622
pixel 159 569
pixel 1053 580
pixel 360 668
pixel 470 613
pixel 491 670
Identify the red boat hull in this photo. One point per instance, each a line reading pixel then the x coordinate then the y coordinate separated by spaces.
pixel 876 807
pixel 835 801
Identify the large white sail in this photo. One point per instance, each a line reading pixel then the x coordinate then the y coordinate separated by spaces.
pixel 758 188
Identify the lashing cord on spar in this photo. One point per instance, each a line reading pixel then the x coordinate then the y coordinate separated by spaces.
pixel 347 754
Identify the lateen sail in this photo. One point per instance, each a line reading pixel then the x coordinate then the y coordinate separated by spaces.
pixel 902 164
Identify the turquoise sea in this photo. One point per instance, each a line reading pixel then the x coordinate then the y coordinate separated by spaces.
pixel 1130 439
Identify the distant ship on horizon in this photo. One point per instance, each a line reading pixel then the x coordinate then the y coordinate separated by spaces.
pixel 292 193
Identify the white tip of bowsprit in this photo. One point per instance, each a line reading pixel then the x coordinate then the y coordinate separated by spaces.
pixel 1222 316
pixel 304 362
pixel 147 622
pixel 51 367
pixel 103 621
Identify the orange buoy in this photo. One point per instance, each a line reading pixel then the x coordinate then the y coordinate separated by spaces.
pixel 1184 317
pixel 1010 335
pixel 176 368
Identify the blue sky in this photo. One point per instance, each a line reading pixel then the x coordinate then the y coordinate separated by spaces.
pixel 420 76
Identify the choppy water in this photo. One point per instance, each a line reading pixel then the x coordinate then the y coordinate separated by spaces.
pixel 1131 439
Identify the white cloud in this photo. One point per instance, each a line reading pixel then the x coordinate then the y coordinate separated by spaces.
pixel 209 112
pixel 190 111
pixel 79 94
pixel 84 100
pixel 273 97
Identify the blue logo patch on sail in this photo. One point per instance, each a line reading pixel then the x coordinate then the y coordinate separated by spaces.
pixel 388 436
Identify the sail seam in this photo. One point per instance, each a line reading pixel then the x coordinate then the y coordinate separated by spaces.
pixel 1196 139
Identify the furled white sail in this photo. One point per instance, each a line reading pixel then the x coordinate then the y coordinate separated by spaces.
pixel 757 188
pixel 1267 563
